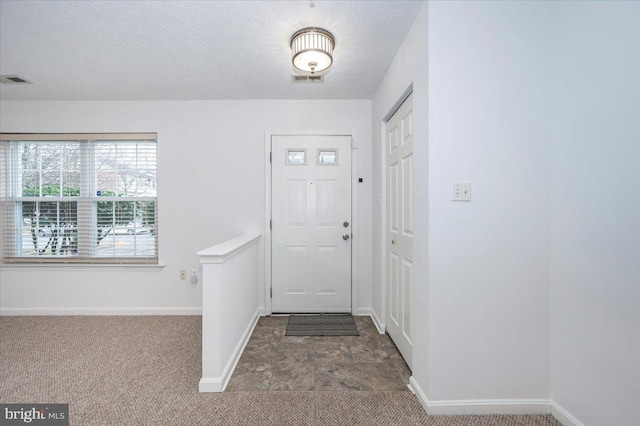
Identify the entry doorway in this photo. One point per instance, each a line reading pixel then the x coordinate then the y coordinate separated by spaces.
pixel 311 224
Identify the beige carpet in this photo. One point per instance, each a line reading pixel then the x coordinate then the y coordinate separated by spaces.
pixel 145 371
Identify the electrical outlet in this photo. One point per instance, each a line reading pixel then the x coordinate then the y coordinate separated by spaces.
pixel 194 276
pixel 183 274
pixel 461 191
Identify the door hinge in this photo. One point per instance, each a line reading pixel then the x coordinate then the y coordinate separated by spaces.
pixel 270 157
pixel 270 225
pixel 271 292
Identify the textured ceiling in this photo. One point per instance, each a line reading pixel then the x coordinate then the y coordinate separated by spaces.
pixel 174 50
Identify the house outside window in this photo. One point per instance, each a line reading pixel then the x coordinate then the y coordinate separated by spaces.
pixel 79 198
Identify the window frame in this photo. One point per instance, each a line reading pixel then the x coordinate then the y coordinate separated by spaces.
pixel 87 223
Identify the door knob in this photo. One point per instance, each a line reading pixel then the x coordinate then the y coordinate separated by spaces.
pixel 345 237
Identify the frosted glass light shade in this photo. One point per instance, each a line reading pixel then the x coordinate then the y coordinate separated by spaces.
pixel 312 50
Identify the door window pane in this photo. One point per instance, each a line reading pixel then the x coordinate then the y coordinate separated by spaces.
pixel 328 157
pixel 296 157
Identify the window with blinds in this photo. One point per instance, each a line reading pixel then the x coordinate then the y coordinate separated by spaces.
pixel 83 198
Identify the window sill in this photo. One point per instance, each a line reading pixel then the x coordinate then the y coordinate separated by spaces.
pixel 79 266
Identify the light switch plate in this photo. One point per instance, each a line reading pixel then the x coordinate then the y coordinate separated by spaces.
pixel 461 191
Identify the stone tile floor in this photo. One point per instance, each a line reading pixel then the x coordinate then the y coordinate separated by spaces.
pixel 273 361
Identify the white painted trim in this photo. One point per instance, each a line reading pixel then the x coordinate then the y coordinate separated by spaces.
pixel 383 222
pixel 267 224
pixel 354 214
pixel 224 251
pixel 66 267
pixel 218 384
pixel 210 385
pixel 563 416
pixel 381 326
pixel 417 391
pixel 489 406
pixel 100 311
pixel 479 406
pixel 355 230
pixel 369 312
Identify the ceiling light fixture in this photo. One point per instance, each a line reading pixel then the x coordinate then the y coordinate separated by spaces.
pixel 312 50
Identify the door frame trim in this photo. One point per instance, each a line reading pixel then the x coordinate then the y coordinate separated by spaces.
pixel 264 293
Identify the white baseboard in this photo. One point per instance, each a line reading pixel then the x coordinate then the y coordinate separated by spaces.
pixel 210 385
pixel 563 416
pixel 218 384
pixel 100 311
pixel 481 406
pixel 374 317
pixel 417 391
pixel 364 312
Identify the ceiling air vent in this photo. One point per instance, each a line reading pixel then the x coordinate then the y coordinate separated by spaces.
pixel 307 78
pixel 12 79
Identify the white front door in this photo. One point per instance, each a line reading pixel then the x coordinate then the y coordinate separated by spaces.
pixel 400 227
pixel 311 224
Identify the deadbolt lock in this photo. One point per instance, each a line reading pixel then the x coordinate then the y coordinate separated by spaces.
pixel 346 224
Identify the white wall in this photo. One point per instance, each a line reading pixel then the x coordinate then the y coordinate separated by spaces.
pixel 488 259
pixel 595 217
pixel 211 188
pixel 481 277
pixel 408 70
pixel 533 287
pixel 230 306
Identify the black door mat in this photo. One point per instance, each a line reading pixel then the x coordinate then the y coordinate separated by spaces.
pixel 321 325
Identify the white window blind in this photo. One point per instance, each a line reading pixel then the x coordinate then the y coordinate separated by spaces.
pixel 85 198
